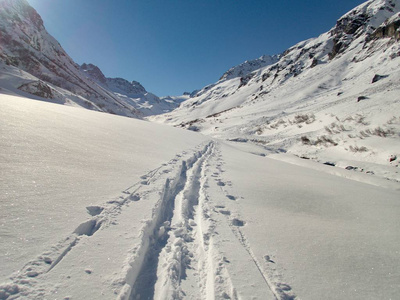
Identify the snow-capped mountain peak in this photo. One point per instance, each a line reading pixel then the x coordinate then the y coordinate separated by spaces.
pixel 94 72
pixel 249 66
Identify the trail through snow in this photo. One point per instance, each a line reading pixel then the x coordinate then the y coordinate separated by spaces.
pixel 181 255
pixel 181 249
pixel 197 219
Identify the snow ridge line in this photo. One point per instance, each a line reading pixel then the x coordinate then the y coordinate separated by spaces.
pixel 142 270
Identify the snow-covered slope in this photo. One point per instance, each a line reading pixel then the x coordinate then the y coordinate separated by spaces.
pixel 132 93
pixel 96 206
pixel 334 98
pixel 249 66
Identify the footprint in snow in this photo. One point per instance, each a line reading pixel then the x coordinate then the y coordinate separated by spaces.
pixel 238 222
pixel 134 197
pixel 284 287
pixel 220 183
pixel 94 210
pixel 268 259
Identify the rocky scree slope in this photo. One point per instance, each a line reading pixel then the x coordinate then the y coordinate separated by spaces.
pixel 333 99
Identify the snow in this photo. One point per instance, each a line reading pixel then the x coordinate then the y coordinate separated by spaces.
pixel 101 206
pixel 311 112
pixel 328 237
pixel 56 161
pixel 288 190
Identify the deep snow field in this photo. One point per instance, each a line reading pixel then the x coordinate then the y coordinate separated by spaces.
pixel 96 206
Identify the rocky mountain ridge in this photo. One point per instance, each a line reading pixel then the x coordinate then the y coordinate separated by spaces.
pixel 26 46
pixel 249 66
pixel 115 84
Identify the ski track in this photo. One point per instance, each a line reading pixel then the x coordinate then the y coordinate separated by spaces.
pixel 170 253
pixel 178 256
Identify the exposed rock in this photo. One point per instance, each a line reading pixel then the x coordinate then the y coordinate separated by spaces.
pixel 378 77
pixel 390 28
pixel 361 98
pixel 38 88
pixel 314 63
pixel 350 168
pixel 93 72
pixel 361 20
pixel 245 79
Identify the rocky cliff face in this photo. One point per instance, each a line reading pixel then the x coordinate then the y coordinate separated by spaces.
pixel 94 72
pixel 361 21
pixel 390 28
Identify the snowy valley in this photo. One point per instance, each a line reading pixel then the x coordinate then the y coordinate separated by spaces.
pixel 280 181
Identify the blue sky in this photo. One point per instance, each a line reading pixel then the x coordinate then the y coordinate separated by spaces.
pixel 172 46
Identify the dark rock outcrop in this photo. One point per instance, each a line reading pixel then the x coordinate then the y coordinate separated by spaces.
pixel 391 29
pixel 38 88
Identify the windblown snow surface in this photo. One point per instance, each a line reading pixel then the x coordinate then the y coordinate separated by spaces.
pixel 96 206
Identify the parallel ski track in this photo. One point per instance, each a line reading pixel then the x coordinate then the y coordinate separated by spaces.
pixel 170 232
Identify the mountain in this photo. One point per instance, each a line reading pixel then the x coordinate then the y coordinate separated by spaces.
pixel 98 206
pixel 333 99
pixel 27 46
pixel 33 64
pixel 132 93
pixel 249 66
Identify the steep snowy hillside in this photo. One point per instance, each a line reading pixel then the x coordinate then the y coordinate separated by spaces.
pixel 25 45
pixel 132 93
pixel 334 99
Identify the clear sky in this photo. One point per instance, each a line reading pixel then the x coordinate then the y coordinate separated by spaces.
pixel 173 46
